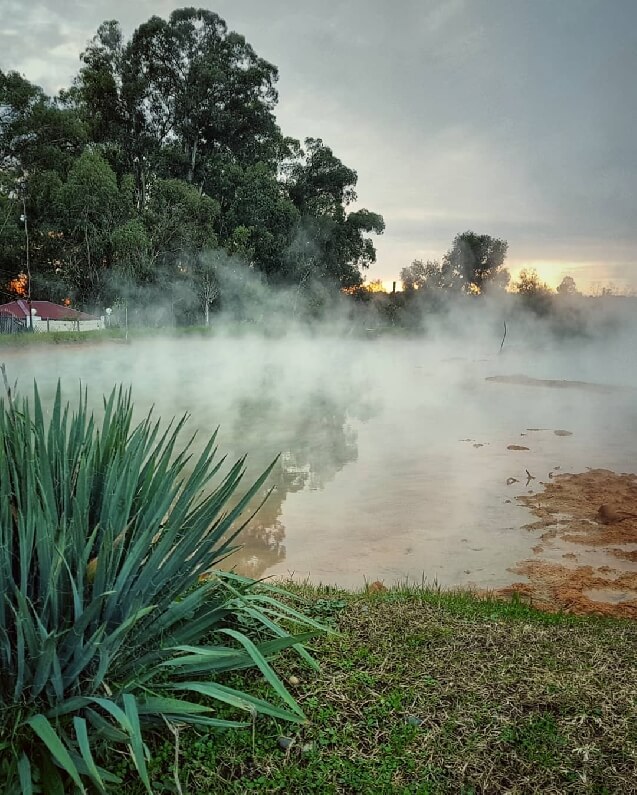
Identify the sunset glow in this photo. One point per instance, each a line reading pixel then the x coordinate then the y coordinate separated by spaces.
pixel 19 285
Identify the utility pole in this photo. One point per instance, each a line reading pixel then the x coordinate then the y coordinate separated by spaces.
pixel 23 186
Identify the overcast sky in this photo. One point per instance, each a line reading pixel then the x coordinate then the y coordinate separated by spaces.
pixel 516 118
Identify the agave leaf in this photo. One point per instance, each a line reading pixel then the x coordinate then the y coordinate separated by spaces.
pixel 49 737
pixel 102 669
pixel 105 775
pixel 284 610
pixel 108 705
pixel 104 728
pixel 73 704
pixel 262 664
pixel 81 734
pixel 203 660
pixel 25 774
pixel 56 681
pixel 44 666
pixel 212 723
pixel 136 742
pixel 21 670
pixel 82 657
pixel 236 698
pixel 157 705
pixel 277 630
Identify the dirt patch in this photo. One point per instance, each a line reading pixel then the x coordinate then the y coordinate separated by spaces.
pixel 578 499
pixel 516 447
pixel 596 510
pixel 581 590
pixel 626 554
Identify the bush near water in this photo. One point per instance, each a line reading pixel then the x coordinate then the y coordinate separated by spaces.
pixel 113 620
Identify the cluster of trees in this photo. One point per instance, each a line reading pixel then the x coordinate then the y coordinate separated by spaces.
pixel 475 265
pixel 164 147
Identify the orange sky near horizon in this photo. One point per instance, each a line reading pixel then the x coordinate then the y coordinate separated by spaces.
pixel 590 278
pixel 592 266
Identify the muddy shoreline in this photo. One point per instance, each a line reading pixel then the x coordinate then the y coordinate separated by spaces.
pixel 586 558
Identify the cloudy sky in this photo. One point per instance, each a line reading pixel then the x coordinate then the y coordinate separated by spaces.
pixel 516 118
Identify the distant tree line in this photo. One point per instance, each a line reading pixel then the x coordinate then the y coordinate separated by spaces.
pixel 473 270
pixel 474 265
pixel 162 159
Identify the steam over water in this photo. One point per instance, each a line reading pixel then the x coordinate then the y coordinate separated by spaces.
pixel 394 459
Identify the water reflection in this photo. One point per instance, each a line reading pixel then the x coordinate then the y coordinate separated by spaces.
pixel 316 440
pixel 399 496
pixel 296 400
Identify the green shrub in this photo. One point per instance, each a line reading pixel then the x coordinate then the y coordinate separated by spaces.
pixel 113 617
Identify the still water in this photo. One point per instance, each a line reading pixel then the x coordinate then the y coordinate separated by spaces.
pixel 394 454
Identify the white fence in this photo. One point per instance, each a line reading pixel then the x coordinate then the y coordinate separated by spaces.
pixel 67 325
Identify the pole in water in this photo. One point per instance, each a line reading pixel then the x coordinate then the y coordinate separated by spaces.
pixel 505 335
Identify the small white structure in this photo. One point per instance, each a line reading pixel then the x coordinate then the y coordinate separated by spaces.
pixel 47 316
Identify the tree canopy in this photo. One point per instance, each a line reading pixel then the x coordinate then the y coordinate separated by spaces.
pixel 477 261
pixel 567 287
pixel 473 264
pixel 164 148
pixel 430 275
pixel 535 293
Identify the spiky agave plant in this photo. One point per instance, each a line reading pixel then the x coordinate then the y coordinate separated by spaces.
pixel 106 623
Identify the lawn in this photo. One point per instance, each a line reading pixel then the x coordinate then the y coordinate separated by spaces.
pixel 428 692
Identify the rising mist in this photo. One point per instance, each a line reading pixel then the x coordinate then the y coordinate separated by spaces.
pixel 393 448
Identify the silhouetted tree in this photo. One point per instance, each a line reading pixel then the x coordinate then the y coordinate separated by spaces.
pixel 432 275
pixel 477 261
pixel 567 287
pixel 535 294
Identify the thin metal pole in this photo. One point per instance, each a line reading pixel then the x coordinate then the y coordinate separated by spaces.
pixel 26 237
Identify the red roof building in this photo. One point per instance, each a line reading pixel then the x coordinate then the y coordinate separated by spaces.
pixel 46 310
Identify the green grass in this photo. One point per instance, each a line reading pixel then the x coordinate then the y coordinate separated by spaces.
pixel 428 692
pixel 8 341
pixel 58 337
pixel 215 329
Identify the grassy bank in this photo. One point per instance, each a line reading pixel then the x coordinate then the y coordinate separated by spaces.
pixel 227 329
pixel 9 341
pixel 421 692
pixel 20 341
pixel 27 339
